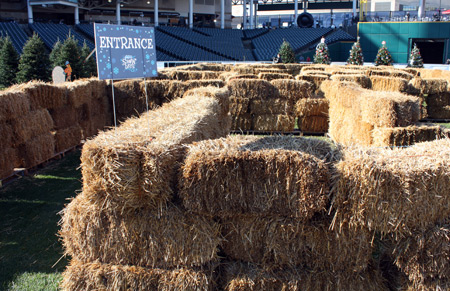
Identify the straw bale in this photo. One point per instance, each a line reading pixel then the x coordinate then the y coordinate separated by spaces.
pixel 415 72
pixel 316 79
pixel 67 138
pixel 314 67
pixel 271 106
pixel 239 106
pixel 8 160
pixel 238 277
pixel 37 150
pixel 389 109
pixel 386 83
pixel 293 89
pixel 91 232
pixel 164 90
pixel 392 74
pixel 312 107
pixel 313 124
pixel 129 99
pixel 440 74
pixel 425 256
pixel 438 106
pixel 135 164
pixel 274 122
pixel 430 85
pixel 105 277
pixel 222 95
pixel 360 79
pixel 278 242
pixel 243 69
pixel 183 75
pixel 43 95
pixel 64 117
pixel 395 191
pixel 294 69
pixel 191 84
pixel 404 136
pixel 288 176
pixel 79 92
pixel 28 126
pixel 274 76
pixel 13 104
pixel 315 73
pixel 241 122
pixel 252 89
pixel 233 76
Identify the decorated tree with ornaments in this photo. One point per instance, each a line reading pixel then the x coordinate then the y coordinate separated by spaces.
pixel 415 59
pixel 384 57
pixel 356 55
pixel 322 55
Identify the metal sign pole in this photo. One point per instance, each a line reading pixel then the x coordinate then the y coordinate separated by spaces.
pixel 114 103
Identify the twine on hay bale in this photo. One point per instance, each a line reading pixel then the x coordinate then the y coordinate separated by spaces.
pixel 238 276
pixel 13 104
pixel 274 122
pixel 289 176
pixel 67 138
pixel 430 86
pixel 386 83
pixel 98 276
pixel 279 242
pixel 360 79
pixel 37 150
pixel 394 191
pixel 269 76
pixel 28 126
pixel 135 164
pixel 293 90
pixel 93 232
pixel 424 256
pixel 438 105
pixel 404 136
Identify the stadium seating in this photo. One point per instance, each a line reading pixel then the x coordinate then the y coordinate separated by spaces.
pixel 87 28
pixel 50 33
pixel 17 35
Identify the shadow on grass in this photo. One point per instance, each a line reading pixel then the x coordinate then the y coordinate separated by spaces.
pixel 29 223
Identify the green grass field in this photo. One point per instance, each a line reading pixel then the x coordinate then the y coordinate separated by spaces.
pixel 30 251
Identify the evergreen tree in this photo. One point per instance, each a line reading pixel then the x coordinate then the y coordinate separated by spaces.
pixel 34 63
pixel 415 59
pixel 54 54
pixel 286 53
pixel 356 56
pixel 322 55
pixel 9 61
pixel 89 65
pixel 384 57
pixel 70 52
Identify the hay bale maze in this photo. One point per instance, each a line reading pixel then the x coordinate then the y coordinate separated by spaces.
pixel 39 120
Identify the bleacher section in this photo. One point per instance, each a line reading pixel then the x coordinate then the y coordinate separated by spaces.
pixel 17 35
pixel 226 43
pixel 51 32
pixel 268 44
pixel 339 35
pixel 87 28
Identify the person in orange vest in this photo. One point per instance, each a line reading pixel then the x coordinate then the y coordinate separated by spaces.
pixel 68 72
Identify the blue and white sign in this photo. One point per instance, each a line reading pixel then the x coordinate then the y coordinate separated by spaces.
pixel 125 52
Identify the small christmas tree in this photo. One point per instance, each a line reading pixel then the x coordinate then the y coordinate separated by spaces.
pixel 384 57
pixel 286 53
pixel 322 55
pixel 54 54
pixel 415 59
pixel 89 67
pixel 356 56
pixel 9 61
pixel 34 63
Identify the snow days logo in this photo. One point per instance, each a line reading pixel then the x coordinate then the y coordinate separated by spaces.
pixel 129 62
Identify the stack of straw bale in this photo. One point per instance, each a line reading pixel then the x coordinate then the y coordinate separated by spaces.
pixel 273 220
pixel 256 105
pixel 312 114
pixel 358 78
pixel 126 228
pixel 316 78
pixel 269 76
pixel 366 117
pixel 185 75
pixel 436 94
